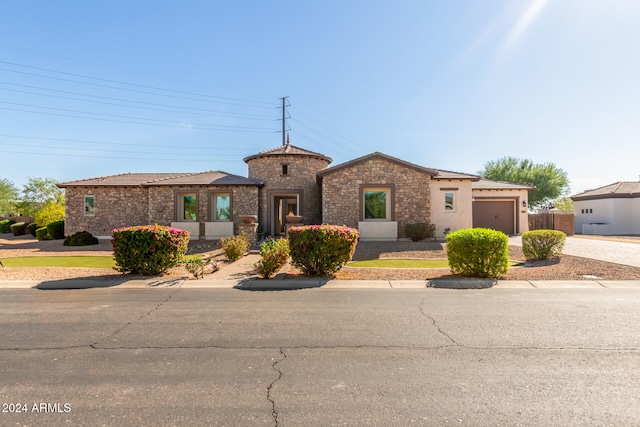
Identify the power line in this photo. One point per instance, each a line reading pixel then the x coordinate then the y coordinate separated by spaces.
pixel 144 158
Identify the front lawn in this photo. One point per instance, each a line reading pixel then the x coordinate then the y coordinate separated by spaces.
pixel 65 261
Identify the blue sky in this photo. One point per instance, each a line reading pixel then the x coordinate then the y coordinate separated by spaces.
pixel 99 88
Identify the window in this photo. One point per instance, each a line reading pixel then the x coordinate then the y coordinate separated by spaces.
pixel 449 202
pixel 89 205
pixel 376 204
pixel 187 206
pixel 221 209
pixel 285 169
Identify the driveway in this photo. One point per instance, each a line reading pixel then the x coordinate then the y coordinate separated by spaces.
pixel 627 253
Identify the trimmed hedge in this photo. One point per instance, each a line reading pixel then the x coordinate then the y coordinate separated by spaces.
pixel 273 256
pixel 478 252
pixel 31 228
pixel 5 225
pixel 19 228
pixel 148 249
pixel 56 230
pixel 320 250
pixel 420 231
pixel 81 238
pixel 235 247
pixel 543 244
pixel 42 233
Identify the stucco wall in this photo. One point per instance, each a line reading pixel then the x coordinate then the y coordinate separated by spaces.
pixel 341 199
pixel 622 213
pixel 301 176
pixel 592 211
pixel 114 207
pixel 462 214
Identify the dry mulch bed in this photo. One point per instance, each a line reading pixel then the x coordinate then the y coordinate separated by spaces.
pixel 566 268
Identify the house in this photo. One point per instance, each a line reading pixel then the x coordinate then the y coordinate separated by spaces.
pixel 377 193
pixel 610 210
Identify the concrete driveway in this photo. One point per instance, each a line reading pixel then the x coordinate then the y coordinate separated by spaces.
pixel 619 252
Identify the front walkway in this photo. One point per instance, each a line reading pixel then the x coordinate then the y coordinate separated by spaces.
pixel 616 251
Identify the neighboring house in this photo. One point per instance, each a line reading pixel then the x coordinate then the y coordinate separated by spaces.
pixel 610 210
pixel 377 193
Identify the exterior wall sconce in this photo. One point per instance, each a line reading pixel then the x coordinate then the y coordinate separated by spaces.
pixel 524 203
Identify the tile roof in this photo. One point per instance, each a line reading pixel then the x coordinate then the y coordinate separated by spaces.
pixel 376 155
pixel 622 189
pixel 487 184
pixel 288 150
pixel 444 174
pixel 158 179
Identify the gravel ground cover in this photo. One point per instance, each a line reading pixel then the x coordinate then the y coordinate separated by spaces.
pixel 566 268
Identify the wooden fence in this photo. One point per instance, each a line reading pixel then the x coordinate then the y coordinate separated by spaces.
pixel 552 221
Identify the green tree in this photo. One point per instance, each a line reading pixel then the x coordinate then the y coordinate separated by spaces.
pixel 564 204
pixel 37 192
pixel 8 196
pixel 48 213
pixel 550 181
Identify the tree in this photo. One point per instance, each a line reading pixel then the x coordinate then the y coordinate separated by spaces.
pixel 38 192
pixel 550 181
pixel 564 204
pixel 8 196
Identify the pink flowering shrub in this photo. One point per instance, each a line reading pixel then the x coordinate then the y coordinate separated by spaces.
pixel 148 249
pixel 320 250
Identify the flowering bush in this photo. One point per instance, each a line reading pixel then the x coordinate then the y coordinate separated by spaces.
pixel 543 244
pixel 478 252
pixel 320 250
pixel 235 247
pixel 148 249
pixel 273 255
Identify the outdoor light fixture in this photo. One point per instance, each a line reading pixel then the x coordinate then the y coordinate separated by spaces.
pixel 524 203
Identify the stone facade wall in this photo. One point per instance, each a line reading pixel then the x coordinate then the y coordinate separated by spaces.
pixel 341 199
pixel 114 207
pixel 127 206
pixel 301 176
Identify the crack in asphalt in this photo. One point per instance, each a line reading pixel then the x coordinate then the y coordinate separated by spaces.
pixel 421 308
pixel 274 412
pixel 126 325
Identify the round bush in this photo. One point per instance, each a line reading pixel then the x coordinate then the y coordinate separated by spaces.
pixel 42 234
pixel 56 230
pixel 148 249
pixel 81 238
pixel 235 247
pixel 543 244
pixel 478 252
pixel 19 228
pixel 273 256
pixel 320 250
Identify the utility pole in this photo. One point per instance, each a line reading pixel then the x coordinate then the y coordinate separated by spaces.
pixel 284 118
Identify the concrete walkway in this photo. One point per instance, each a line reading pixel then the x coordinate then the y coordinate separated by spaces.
pixel 266 285
pixel 626 253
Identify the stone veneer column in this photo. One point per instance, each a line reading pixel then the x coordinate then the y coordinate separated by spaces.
pixel 251 230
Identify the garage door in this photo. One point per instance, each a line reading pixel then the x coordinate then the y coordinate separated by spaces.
pixel 498 215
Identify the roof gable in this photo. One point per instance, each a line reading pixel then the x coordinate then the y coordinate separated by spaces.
pixel 617 190
pixel 160 179
pixel 372 156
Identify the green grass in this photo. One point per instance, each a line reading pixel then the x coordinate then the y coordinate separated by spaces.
pixel 406 263
pixel 64 261
pixel 61 261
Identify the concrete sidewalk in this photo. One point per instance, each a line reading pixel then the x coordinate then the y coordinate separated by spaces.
pixel 265 285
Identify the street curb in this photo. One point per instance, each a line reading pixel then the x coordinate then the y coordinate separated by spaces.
pixel 281 285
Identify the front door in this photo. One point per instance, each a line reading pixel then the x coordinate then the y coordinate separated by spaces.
pixel 282 206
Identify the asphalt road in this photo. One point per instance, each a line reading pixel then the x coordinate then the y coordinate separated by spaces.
pixel 320 357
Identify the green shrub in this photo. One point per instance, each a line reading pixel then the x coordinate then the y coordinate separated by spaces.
pixel 19 228
pixel 478 252
pixel 273 256
pixel 148 249
pixel 235 247
pixel 320 250
pixel 197 266
pixel 5 225
pixel 81 238
pixel 31 228
pixel 543 244
pixel 420 231
pixel 42 233
pixel 56 230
